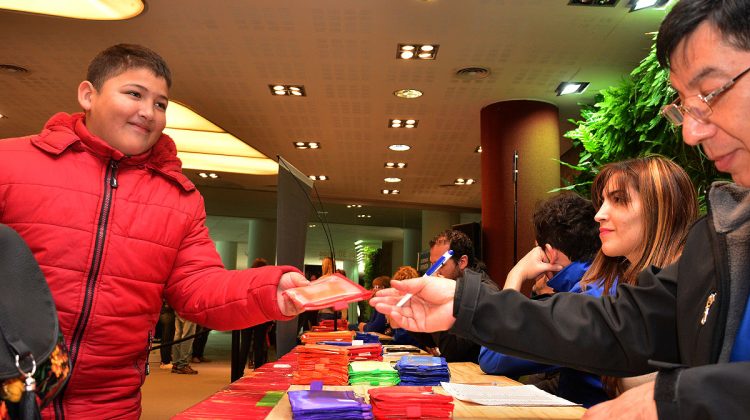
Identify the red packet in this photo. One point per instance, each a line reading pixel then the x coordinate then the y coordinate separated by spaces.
pixel 330 291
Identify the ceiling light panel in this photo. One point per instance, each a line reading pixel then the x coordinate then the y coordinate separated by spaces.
pixel 408 93
pixel 569 88
pixel 287 90
pixel 609 3
pixel 78 9
pixel 399 147
pixel 306 145
pixel 417 51
pixel 223 163
pixel 402 123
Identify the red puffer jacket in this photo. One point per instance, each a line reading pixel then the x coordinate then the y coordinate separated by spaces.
pixel 113 234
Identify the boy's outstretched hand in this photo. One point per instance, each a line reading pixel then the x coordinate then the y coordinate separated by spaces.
pixel 290 280
pixel 429 309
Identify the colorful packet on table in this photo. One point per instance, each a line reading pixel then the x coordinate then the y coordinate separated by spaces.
pixel 423 370
pixel 366 337
pixel 411 402
pixel 372 373
pixel 312 337
pixel 327 325
pixel 327 405
pixel 321 362
pixel 330 291
pixel 366 352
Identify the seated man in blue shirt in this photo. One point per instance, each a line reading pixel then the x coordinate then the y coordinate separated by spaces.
pixel 568 235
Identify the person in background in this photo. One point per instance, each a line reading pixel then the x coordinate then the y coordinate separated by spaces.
pixel 645 208
pixel 400 335
pixel 167 321
pixel 691 319
pixel 198 347
pixel 567 235
pixel 115 225
pixel 328 268
pixel 377 322
pixel 462 263
pixel 254 340
pixel 183 330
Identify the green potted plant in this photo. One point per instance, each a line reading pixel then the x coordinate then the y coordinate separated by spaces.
pixel 624 122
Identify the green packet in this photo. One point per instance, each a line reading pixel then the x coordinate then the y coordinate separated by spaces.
pixel 270 399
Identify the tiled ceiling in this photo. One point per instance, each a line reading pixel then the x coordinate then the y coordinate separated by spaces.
pixel 225 53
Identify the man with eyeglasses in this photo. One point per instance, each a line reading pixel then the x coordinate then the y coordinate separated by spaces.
pixel 691 319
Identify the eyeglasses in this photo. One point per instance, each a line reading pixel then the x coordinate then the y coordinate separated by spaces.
pixel 697 106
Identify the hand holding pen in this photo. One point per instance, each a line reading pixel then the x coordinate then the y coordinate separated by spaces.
pixel 430 271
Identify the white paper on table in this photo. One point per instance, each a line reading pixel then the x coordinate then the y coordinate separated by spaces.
pixel 521 396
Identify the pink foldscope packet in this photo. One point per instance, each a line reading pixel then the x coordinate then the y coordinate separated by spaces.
pixel 330 291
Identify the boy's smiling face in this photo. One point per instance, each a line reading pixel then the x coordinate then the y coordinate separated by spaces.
pixel 129 111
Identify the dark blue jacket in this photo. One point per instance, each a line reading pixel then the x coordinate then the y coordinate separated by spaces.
pixel 576 386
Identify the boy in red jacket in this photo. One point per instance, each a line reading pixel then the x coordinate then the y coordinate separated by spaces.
pixel 101 200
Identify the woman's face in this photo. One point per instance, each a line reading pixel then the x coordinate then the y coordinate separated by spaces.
pixel 621 222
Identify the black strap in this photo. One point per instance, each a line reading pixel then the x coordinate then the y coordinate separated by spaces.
pixel 28 319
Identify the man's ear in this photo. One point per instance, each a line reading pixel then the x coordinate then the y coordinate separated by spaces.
pixel 85 91
pixel 463 262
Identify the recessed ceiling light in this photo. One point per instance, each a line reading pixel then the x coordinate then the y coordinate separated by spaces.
pixel 306 145
pixel 399 147
pixel 408 93
pixel 478 149
pixel 319 177
pixel 567 88
pixel 287 90
pixel 13 69
pixel 592 2
pixel 463 181
pixel 364 216
pixel 392 179
pixel 312 226
pixel 636 5
pixel 390 192
pixel 395 165
pixel 354 206
pixel 402 123
pixel 416 51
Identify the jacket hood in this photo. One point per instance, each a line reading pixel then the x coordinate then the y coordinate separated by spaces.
pixel 730 205
pixel 64 131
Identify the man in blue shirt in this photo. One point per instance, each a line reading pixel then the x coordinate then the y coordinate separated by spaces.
pixel 568 235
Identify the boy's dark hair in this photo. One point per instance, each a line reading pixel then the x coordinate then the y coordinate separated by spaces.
pixel 729 16
pixel 121 57
pixel 566 222
pixel 459 243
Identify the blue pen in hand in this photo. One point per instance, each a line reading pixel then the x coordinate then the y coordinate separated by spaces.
pixel 430 271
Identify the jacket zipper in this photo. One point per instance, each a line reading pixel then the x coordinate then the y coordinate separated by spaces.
pixel 146 367
pixel 110 184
